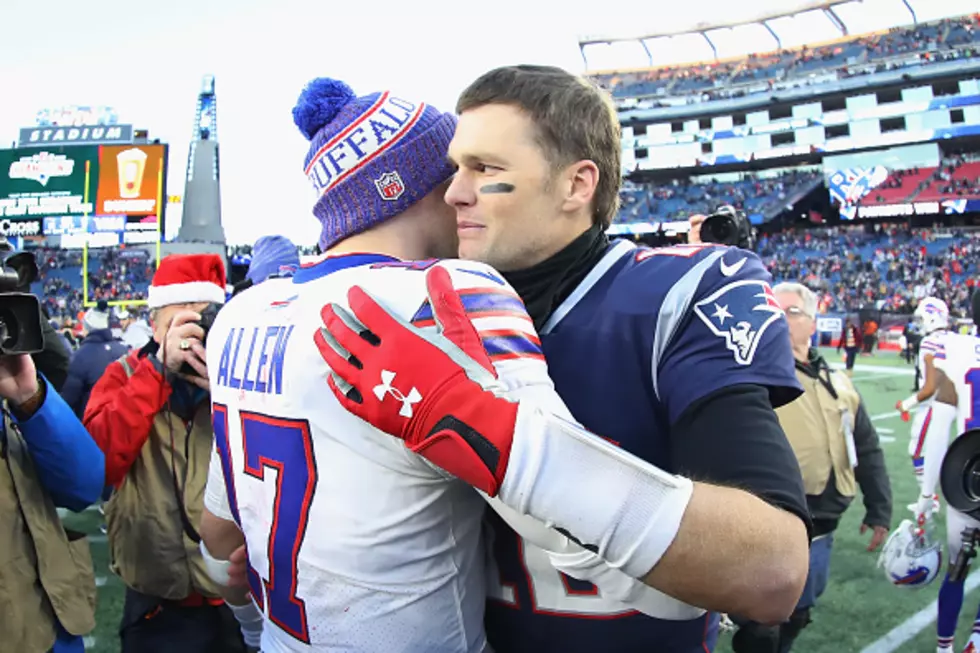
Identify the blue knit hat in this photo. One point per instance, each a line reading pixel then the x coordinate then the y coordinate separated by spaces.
pixel 370 157
pixel 272 255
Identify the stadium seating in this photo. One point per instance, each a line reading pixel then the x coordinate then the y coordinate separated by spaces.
pixel 755 73
pixel 680 199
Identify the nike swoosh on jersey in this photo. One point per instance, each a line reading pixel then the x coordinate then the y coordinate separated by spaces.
pixel 731 270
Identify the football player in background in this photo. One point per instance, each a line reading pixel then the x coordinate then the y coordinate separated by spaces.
pixel 355 542
pixel 933 317
pixel 956 401
pixel 676 355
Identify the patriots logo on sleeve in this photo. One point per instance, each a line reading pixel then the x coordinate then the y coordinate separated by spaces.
pixel 740 312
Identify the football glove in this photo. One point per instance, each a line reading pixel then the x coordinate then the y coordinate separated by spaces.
pixel 440 395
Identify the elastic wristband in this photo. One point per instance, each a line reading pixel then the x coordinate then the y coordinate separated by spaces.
pixel 909 403
pixel 217 569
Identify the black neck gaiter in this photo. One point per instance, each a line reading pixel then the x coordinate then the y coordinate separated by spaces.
pixel 546 285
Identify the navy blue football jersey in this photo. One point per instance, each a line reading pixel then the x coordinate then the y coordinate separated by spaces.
pixel 646 334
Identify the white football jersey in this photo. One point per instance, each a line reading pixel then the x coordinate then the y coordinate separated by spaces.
pixel 355 542
pixel 961 363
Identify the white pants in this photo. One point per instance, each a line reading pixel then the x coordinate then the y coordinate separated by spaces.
pixel 920 424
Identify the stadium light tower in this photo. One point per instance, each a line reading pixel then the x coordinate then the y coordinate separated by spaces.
pixel 202 193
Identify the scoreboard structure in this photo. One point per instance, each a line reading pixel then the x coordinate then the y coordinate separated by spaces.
pixel 88 195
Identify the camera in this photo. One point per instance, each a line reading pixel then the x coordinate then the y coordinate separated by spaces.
pixel 727 226
pixel 208 316
pixel 960 474
pixel 20 311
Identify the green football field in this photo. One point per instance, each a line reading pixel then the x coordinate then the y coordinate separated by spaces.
pixel 860 612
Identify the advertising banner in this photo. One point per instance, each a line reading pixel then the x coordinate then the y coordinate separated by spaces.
pixel 11 228
pixel 67 135
pixel 74 224
pixel 129 179
pixel 48 181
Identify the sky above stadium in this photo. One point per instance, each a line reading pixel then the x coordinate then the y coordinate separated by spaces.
pixel 147 60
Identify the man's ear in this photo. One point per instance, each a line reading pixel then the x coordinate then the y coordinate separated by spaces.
pixel 581 181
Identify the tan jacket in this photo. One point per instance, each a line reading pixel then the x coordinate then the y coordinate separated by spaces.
pixel 150 548
pixel 815 426
pixel 46 573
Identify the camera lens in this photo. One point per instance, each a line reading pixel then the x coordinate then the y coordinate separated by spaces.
pixel 719 229
pixel 8 329
pixel 971 478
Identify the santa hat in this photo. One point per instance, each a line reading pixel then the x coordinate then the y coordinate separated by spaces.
pixel 188 279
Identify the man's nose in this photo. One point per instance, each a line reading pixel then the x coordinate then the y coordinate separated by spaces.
pixel 460 191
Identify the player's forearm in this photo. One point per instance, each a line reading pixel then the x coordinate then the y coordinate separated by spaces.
pixel 735 553
pixel 612 503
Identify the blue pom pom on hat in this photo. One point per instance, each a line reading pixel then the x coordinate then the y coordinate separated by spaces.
pixel 370 157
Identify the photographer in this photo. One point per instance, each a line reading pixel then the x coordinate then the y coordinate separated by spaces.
pixel 47 584
pixel 151 415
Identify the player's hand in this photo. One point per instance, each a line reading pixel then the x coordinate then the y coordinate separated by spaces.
pixel 184 344
pixel 877 537
pixel 694 233
pixel 238 568
pixel 18 378
pixel 906 416
pixel 925 508
pixel 434 391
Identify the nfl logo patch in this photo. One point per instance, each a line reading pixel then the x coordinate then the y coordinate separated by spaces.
pixel 390 186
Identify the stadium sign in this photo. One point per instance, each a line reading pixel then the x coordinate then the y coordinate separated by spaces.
pixel 93 135
pixel 20 227
pixel 49 181
pixel 899 210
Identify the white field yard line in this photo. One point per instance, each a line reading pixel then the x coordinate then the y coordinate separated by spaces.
pixel 878 369
pixel 901 634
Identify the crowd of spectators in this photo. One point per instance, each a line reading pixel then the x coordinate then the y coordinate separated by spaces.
pixel 890 269
pixel 947 39
pixel 113 275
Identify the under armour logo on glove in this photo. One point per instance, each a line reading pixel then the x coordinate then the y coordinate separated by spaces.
pixel 452 415
pixel 385 388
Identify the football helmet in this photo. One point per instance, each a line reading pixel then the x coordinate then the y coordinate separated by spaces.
pixel 911 557
pixel 932 314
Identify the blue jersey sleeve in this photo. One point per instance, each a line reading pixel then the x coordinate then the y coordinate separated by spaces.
pixel 720 326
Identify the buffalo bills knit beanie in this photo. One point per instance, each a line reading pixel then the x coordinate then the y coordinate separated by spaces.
pixel 370 157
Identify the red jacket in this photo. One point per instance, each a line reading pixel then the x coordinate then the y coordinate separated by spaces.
pixel 121 409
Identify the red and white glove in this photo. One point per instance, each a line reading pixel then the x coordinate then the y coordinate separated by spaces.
pixel 438 394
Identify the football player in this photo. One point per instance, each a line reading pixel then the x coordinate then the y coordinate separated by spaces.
pixel 354 541
pixel 676 355
pixel 932 315
pixel 956 401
